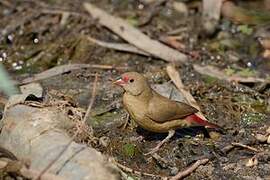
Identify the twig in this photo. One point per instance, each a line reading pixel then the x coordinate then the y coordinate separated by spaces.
pixel 63 69
pixel 175 77
pixel 245 146
pixel 134 36
pixel 127 169
pixel 60 11
pixel 76 133
pixel 93 95
pixel 190 169
pixel 119 46
pixel 6 3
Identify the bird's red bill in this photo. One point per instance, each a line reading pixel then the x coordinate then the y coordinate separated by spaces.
pixel 121 81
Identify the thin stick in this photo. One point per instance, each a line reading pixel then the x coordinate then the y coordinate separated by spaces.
pixel 190 169
pixel 125 47
pixel 76 133
pixel 127 169
pixel 63 69
pixel 93 95
pixel 245 146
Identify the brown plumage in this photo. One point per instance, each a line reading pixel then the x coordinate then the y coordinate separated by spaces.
pixel 154 112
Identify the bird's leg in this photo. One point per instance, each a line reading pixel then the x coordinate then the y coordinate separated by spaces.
pixel 169 136
pixel 125 123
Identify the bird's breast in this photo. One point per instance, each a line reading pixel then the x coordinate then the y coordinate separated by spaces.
pixel 135 107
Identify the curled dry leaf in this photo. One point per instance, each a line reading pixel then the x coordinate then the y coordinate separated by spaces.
pixel 252 162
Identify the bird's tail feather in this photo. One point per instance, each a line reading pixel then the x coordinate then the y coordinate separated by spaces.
pixel 194 119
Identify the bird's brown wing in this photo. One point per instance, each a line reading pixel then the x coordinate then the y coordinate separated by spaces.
pixel 162 109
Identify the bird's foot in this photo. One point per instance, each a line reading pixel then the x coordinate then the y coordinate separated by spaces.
pixel 125 123
pixel 155 149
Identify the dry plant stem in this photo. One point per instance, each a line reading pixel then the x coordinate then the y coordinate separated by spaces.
pixel 245 146
pixel 134 36
pixel 125 47
pixel 175 77
pixel 127 169
pixel 190 169
pixel 93 95
pixel 59 11
pixel 63 69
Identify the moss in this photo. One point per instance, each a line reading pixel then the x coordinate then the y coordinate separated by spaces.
pixel 252 118
pixel 209 79
pixel 129 149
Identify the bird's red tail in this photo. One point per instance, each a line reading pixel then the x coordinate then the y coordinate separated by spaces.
pixel 194 119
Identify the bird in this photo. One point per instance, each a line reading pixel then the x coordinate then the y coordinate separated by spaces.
pixel 154 112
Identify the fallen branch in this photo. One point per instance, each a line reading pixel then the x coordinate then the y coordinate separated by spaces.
pixel 215 72
pixel 190 169
pixel 119 46
pixel 135 36
pixel 58 70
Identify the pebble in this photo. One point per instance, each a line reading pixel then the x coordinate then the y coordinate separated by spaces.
pixel 261 138
pixel 174 171
pixel 104 141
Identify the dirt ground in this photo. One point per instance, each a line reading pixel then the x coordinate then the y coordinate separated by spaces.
pixel 38 35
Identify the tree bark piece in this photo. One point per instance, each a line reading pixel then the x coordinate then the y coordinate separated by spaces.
pixel 134 36
pixel 38 134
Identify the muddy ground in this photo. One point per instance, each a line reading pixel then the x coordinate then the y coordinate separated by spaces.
pixel 37 35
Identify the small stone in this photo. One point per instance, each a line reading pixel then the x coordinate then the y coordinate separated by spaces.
pixel 174 171
pixel 214 135
pixel 181 8
pixel 261 138
pixel 104 141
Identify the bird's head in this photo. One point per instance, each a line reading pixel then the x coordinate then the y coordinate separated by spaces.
pixel 133 83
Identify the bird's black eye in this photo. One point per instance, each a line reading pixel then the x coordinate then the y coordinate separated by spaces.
pixel 131 80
